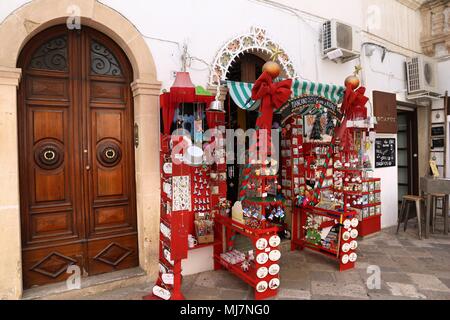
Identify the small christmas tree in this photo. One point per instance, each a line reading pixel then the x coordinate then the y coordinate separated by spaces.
pixel 316 132
pixel 330 125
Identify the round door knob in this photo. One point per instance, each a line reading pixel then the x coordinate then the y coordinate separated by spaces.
pixel 88 168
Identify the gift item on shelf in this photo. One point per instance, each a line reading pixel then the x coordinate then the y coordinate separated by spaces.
pixel 328 231
pixel 202 205
pixel 260 268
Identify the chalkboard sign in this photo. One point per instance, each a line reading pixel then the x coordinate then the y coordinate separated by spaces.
pixel 385 153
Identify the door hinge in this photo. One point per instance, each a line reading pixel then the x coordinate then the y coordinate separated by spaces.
pixel 136 135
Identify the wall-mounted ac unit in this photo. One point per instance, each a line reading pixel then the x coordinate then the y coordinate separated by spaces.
pixel 340 41
pixel 421 75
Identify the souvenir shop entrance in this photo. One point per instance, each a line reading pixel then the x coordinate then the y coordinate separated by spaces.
pixel 319 185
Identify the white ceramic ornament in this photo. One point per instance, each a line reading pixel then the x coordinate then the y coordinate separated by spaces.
pixel 352 257
pixel 261 286
pixel 274 255
pixel 261 244
pixel 355 222
pixel 274 283
pixel 274 269
pixel 346 236
pixel 345 259
pixel 354 244
pixel 262 272
pixel 354 233
pixel 347 223
pixel 262 258
pixel 274 241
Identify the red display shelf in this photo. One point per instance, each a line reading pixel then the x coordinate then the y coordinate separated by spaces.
pixel 243 229
pixel 249 277
pixel 360 206
pixel 204 245
pixel 369 225
pixel 299 216
pixel 229 229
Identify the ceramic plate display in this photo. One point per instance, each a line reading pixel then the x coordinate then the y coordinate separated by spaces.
pixel 274 255
pixel 347 224
pixel 262 258
pixel 274 241
pixel 346 247
pixel 354 244
pixel 262 272
pixel 354 233
pixel 345 258
pixel 161 292
pixel 274 283
pixel 274 269
pixel 167 168
pixel 355 222
pixel 261 286
pixel 352 257
pixel 261 244
pixel 346 235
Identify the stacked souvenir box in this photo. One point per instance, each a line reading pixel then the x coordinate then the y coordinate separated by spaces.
pixel 292 174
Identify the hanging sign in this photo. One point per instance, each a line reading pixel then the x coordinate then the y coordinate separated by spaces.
pixel 307 104
pixel 385 152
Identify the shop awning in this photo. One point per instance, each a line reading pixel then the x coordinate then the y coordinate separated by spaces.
pixel 241 92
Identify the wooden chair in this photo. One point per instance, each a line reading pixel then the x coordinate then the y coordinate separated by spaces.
pixel 404 212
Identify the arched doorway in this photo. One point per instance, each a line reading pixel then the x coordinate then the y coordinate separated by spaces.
pixel 76 156
pixel 246 68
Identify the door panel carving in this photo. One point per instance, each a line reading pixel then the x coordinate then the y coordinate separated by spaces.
pixel 76 156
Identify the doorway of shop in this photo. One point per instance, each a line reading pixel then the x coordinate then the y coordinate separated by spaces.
pixel 247 68
pixel 407 150
pixel 76 156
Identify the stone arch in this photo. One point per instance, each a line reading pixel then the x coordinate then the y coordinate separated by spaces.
pixel 33 17
pixel 15 31
pixel 256 42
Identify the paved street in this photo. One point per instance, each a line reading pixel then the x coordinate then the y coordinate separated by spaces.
pixel 410 269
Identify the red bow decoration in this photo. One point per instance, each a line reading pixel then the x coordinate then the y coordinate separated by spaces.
pixel 272 95
pixel 353 107
pixel 354 103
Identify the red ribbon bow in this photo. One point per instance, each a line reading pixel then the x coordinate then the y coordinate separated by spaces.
pixel 272 95
pixel 354 103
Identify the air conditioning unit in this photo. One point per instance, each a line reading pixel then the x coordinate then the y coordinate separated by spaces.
pixel 340 41
pixel 421 75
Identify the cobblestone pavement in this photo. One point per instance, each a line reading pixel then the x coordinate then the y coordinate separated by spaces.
pixel 410 269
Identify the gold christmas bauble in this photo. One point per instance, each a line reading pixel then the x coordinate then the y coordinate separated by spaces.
pixel 272 68
pixel 353 81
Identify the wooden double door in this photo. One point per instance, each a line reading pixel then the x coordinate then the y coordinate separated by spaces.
pixel 76 155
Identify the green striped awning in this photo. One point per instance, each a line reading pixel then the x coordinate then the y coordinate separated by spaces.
pixel 241 92
pixel 331 92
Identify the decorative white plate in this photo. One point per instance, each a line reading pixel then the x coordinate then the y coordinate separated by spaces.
pixel 261 244
pixel 354 233
pixel 355 222
pixel 274 283
pixel 346 247
pixel 354 244
pixel 262 258
pixel 346 236
pixel 261 286
pixel 352 257
pixel 167 168
pixel 274 255
pixel 345 258
pixel 274 269
pixel 347 223
pixel 274 241
pixel 262 272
